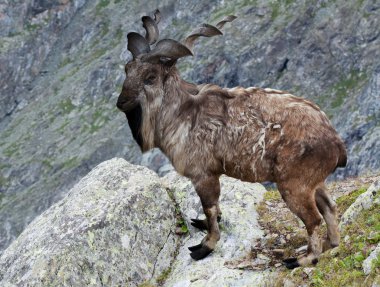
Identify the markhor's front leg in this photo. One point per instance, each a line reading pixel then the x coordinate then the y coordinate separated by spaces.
pixel 208 189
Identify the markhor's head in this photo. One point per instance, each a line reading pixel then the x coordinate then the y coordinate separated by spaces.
pixel 147 71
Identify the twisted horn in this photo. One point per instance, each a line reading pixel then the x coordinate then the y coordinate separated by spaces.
pixel 157 16
pixel 204 30
pixel 151 29
pixel 167 48
pixel 228 18
pixel 137 44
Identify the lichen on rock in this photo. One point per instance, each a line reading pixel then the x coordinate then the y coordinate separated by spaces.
pixel 111 229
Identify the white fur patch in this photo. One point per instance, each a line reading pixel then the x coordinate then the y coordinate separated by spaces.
pixel 268 90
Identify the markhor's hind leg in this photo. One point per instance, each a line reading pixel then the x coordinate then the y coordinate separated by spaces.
pixel 302 203
pixel 208 190
pixel 202 223
pixel 327 208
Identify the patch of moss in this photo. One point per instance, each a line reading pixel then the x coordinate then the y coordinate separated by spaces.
pixel 180 221
pixel 47 163
pixel 3 183
pixel 97 120
pixel 65 62
pixel 66 106
pixel 71 163
pixel 69 74
pixel 98 53
pixel 353 81
pixel 272 195
pixel 359 3
pixel 230 7
pixel 342 266
pixel 182 225
pixel 104 30
pixel 119 34
pixel 62 128
pixel 163 276
pixel 102 4
pixel 32 27
pixel 345 201
pixel 12 150
pixel 275 6
pixel 289 2
pixel 346 268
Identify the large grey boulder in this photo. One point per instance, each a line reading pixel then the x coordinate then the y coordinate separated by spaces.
pixel 114 228
pixel 239 228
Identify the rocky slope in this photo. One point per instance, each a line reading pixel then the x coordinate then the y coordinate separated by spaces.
pixel 122 225
pixel 62 67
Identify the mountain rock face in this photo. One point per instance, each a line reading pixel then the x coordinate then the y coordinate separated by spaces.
pixel 61 70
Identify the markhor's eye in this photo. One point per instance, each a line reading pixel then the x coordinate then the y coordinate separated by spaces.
pixel 150 80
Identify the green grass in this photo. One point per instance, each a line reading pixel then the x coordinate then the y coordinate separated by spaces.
pixel 69 74
pixel 98 53
pixel 231 7
pixel 345 269
pixel 272 195
pixel 104 30
pixel 275 6
pixel 342 266
pixel 12 150
pixel 47 163
pixel 341 89
pixel 32 27
pixel 102 4
pixel 3 183
pixel 119 34
pixel 71 163
pixel 66 106
pixel 65 62
pixel 94 122
pixel 345 201
pixel 163 276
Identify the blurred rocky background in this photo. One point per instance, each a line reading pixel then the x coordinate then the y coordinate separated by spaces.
pixel 61 70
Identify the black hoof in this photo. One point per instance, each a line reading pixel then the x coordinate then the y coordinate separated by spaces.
pixel 199 223
pixel 291 263
pixel 199 252
pixel 195 247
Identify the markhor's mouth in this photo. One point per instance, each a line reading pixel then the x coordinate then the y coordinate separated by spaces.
pixel 125 106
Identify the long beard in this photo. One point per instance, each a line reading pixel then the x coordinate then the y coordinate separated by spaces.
pixel 134 117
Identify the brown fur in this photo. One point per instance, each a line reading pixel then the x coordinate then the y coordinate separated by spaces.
pixel 251 134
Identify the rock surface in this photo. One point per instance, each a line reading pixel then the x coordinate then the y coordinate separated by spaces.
pixel 61 69
pixel 364 201
pixel 118 227
pixel 239 228
pixel 114 228
pixel 369 262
